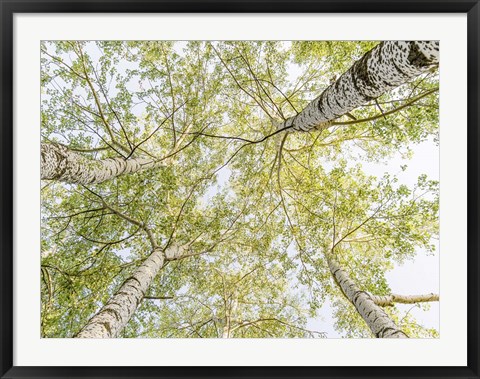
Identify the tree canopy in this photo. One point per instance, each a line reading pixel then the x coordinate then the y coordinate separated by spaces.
pixel 194 141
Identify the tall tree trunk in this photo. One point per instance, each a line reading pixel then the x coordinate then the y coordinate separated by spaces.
pixel 386 66
pixel 60 163
pixel 375 317
pixel 389 300
pixel 114 316
pixel 226 332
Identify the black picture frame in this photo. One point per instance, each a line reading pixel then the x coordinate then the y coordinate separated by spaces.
pixel 9 8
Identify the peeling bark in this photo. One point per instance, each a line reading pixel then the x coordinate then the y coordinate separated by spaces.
pixel 110 320
pixel 389 300
pixel 386 66
pixel 60 163
pixel 375 317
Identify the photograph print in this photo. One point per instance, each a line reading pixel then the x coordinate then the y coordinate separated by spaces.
pixel 239 189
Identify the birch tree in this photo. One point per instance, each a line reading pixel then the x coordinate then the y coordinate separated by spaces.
pixel 383 68
pixel 368 304
pixel 391 299
pixel 59 163
pixel 113 317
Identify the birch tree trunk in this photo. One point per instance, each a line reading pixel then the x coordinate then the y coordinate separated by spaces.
pixel 60 163
pixel 389 300
pixel 386 66
pixel 226 332
pixel 375 317
pixel 114 316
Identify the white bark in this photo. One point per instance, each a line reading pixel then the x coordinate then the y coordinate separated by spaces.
pixel 60 163
pixel 226 332
pixel 114 316
pixel 386 66
pixel 375 317
pixel 389 300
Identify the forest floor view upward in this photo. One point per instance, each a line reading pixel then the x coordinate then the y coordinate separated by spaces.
pixel 239 189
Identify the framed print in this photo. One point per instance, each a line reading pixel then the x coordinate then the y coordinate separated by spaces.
pixel 239 189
